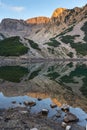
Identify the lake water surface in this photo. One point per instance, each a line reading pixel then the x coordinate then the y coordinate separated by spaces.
pixel 59 82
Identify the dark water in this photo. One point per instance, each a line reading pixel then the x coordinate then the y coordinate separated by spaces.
pixel 64 81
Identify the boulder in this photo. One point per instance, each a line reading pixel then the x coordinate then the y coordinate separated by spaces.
pixel 45 112
pixel 29 103
pixel 53 105
pixel 65 108
pixel 39 99
pixel 69 117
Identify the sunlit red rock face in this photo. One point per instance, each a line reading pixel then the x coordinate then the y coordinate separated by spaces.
pixel 38 20
pixel 44 20
pixel 58 12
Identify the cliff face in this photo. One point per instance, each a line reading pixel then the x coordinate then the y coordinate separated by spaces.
pixel 69 16
pixel 58 12
pixel 38 20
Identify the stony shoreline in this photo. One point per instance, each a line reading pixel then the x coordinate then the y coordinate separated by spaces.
pixel 20 118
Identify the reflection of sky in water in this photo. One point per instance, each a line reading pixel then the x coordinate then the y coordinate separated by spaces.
pixel 6 102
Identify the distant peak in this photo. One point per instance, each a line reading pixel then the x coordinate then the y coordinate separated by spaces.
pixel 58 12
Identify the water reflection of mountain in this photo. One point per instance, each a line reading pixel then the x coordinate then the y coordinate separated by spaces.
pixel 63 80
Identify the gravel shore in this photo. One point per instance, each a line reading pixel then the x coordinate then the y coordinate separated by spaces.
pixel 20 118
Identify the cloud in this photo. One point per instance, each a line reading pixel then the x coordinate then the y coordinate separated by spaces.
pixel 12 8
pixel 17 8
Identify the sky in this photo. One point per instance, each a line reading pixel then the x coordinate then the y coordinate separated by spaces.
pixel 24 9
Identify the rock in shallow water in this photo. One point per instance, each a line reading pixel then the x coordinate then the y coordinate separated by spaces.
pixel 53 105
pixel 29 103
pixel 69 117
pixel 45 112
pixel 65 108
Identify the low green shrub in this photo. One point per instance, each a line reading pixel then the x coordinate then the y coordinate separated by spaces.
pixel 12 47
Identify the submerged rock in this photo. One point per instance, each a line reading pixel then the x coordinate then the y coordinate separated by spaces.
pixel 58 115
pixel 13 102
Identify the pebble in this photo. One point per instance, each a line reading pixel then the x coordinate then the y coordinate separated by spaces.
pixel 23 112
pixel 34 129
pixel 63 124
pixel 68 127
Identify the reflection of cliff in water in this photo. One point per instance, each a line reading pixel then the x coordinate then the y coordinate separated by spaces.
pixel 65 81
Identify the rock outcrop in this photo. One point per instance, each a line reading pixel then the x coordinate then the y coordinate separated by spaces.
pixel 58 12
pixel 69 16
pixel 38 20
pixel 12 24
pixel 70 118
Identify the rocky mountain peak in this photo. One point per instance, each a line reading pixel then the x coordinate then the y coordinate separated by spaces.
pixel 58 12
pixel 12 24
pixel 38 20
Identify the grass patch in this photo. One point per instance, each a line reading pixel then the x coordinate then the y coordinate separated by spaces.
pixel 13 73
pixel 83 89
pixel 34 74
pixel 53 75
pixel 34 45
pixel 70 54
pixel 68 79
pixel 81 48
pixel 80 70
pixel 53 43
pixel 66 31
pixel 12 47
pixel 70 64
pixel 68 39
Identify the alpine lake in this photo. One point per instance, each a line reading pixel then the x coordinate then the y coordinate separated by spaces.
pixel 46 83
